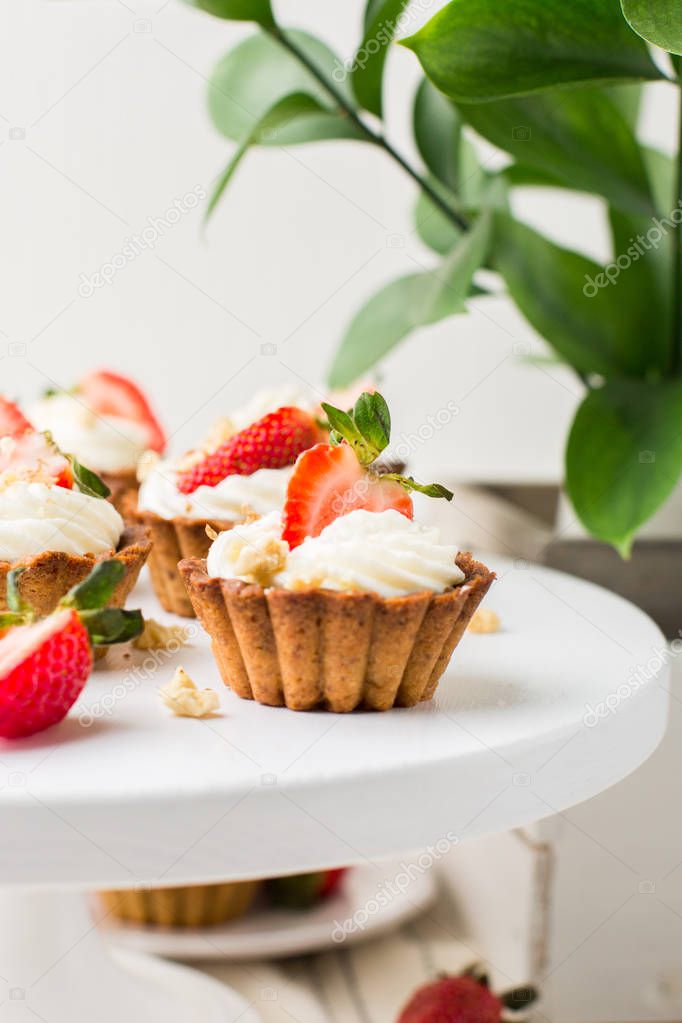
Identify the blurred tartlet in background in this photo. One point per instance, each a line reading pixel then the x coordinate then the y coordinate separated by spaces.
pixel 107 422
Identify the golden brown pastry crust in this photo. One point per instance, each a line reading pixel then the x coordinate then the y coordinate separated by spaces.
pixel 339 651
pixel 50 575
pixel 205 905
pixel 173 540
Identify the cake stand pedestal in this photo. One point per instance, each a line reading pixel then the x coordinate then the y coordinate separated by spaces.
pixel 562 703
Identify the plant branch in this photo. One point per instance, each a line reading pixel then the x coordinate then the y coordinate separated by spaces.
pixel 453 215
pixel 676 347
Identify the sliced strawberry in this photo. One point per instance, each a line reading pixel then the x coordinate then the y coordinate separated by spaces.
pixel 33 456
pixel 13 422
pixel 43 669
pixel 328 482
pixel 111 394
pixel 272 442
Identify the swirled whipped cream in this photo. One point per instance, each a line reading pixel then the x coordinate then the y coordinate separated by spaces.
pixel 269 400
pixel 228 501
pixel 104 443
pixel 37 517
pixel 383 552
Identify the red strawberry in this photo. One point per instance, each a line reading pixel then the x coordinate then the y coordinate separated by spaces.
pixel 328 482
pixel 111 394
pixel 464 999
pixel 30 453
pixel 272 442
pixel 44 665
pixel 43 669
pixel 301 891
pixel 13 422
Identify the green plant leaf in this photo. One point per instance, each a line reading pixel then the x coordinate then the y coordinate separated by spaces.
pixel 381 24
pixel 408 303
pixel 237 10
pixel 594 325
pixel 577 138
pixel 298 107
pixel 628 99
pixel 257 74
pixel 479 50
pixel 15 602
pixel 98 589
pixel 624 456
pixel 658 21
pixel 433 227
pixel 438 132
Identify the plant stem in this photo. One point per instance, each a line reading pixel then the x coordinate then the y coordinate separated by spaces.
pixel 676 348
pixel 283 39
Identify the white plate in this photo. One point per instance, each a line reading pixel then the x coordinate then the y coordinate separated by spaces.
pixel 373 900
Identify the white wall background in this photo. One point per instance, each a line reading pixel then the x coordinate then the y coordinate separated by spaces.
pixel 103 126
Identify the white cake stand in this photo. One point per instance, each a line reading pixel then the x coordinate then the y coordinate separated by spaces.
pixel 568 699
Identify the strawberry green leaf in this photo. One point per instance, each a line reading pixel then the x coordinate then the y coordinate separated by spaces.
pixel 87 481
pixel 10 618
pixel 15 602
pixel 112 625
pixel 373 420
pixel 98 589
pixel 519 998
pixel 430 489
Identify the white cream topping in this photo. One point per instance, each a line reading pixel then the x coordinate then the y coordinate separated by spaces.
pixel 102 443
pixel 383 552
pixel 259 493
pixel 37 517
pixel 266 401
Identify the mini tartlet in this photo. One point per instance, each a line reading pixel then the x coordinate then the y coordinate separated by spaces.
pixel 342 602
pixel 55 524
pixel 207 905
pixel 106 421
pixel 241 469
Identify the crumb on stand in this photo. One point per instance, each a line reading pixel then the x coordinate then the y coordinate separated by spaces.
pixel 182 696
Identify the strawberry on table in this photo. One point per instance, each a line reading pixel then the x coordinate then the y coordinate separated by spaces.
pixel 463 999
pixel 45 664
pixel 13 422
pixel 331 480
pixel 111 394
pixel 272 442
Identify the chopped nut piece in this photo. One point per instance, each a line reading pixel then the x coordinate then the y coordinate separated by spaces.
pixel 210 532
pixel 484 620
pixel 156 636
pixel 257 559
pixel 185 700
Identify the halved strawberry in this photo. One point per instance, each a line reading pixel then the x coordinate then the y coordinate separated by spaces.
pixel 272 442
pixel 44 665
pixel 33 455
pixel 111 394
pixel 43 669
pixel 13 422
pixel 329 482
